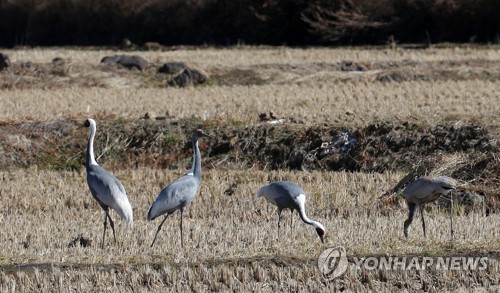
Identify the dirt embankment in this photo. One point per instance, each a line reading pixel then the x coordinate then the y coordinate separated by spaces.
pixel 378 147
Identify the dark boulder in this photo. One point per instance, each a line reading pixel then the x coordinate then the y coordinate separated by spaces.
pixel 172 67
pixel 353 66
pixel 189 76
pixel 4 61
pixel 128 61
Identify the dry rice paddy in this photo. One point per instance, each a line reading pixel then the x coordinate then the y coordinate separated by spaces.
pixel 231 242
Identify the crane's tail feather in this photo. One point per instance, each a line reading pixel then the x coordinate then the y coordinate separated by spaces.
pixel 125 211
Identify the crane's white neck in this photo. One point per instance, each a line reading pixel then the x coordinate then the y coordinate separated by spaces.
pixel 196 168
pixel 303 216
pixel 90 146
pixel 302 212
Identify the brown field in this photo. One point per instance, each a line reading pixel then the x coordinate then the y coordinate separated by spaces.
pixel 301 83
pixel 231 243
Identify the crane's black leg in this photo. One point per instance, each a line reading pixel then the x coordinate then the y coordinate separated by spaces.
pixel 279 219
pixel 159 228
pixel 112 225
pixel 105 226
pixel 411 212
pixel 451 215
pixel 422 214
pixel 182 239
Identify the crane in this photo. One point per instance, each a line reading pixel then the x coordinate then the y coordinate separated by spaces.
pixel 424 190
pixel 107 190
pixel 289 195
pixel 181 192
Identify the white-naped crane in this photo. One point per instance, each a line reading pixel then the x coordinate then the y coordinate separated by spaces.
pixel 424 190
pixel 107 190
pixel 289 195
pixel 181 192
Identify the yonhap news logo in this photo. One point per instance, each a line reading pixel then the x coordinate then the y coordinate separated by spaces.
pixel 333 263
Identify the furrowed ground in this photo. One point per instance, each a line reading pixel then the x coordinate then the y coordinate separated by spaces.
pixel 346 124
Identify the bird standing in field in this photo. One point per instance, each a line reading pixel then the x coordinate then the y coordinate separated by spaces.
pixel 179 193
pixel 105 188
pixel 288 195
pixel 424 190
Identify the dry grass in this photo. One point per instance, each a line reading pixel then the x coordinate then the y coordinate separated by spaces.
pixel 311 94
pixel 44 211
pixel 230 242
pixel 246 56
pixel 346 103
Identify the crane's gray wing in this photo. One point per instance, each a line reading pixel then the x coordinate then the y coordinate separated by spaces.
pixel 445 182
pixel 427 189
pixel 419 189
pixel 176 195
pixel 105 188
pixel 292 188
pixel 282 193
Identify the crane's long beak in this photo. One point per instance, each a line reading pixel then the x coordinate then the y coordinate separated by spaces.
pixel 322 239
pixel 81 125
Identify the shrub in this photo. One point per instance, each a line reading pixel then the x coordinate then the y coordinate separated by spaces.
pixel 226 22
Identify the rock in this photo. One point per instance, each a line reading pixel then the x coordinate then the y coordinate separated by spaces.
pixel 351 66
pixel 172 67
pixel 60 66
pixel 187 77
pixel 394 76
pixel 128 61
pixel 58 61
pixel 4 61
pixel 470 198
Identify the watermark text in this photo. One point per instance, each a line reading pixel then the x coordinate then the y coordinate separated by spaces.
pixel 333 262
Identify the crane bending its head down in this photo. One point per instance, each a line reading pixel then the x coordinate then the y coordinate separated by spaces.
pixel 106 189
pixel 424 190
pixel 289 195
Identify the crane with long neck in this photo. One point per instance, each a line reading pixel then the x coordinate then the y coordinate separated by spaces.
pixel 179 193
pixel 106 189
